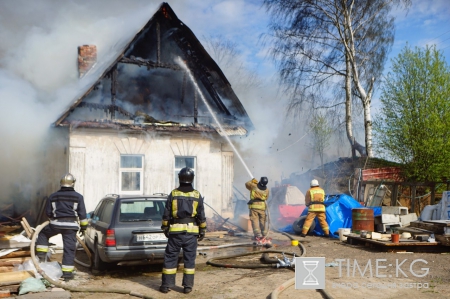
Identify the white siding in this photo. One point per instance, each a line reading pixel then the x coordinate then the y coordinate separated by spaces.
pixel 102 149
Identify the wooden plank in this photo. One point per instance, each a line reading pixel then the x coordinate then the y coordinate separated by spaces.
pixel 18 253
pixel 13 277
pixel 445 240
pixel 443 223
pixel 390 244
pixel 13 261
pixel 14 288
pixel 428 226
pixel 6 229
pixel 4 269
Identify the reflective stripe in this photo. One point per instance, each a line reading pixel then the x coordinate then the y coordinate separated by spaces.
pixel 84 222
pixel 263 195
pixel 54 209
pixel 202 225
pixel 41 248
pixel 165 223
pixel 66 268
pixel 182 227
pixel 75 207
pixel 317 207
pixel 64 224
pixel 189 271
pixel 174 208
pixel 169 271
pixel 194 194
pixel 195 209
pixel 257 205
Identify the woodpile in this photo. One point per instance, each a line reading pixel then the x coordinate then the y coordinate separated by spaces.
pixel 439 228
pixel 13 253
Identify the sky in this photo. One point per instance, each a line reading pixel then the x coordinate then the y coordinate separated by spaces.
pixel 38 80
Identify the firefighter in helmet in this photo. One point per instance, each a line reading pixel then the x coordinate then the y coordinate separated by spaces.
pixel 67 214
pixel 184 224
pixel 314 199
pixel 259 193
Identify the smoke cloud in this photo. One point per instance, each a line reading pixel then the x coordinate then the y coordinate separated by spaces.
pixel 39 80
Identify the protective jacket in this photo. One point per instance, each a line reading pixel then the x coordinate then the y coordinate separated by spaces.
pixel 65 208
pixel 184 211
pixel 258 197
pixel 314 199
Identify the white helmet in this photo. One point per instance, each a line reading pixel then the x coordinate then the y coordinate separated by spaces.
pixel 314 183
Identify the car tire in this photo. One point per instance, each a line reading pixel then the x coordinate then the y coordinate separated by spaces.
pixel 298 225
pixel 98 264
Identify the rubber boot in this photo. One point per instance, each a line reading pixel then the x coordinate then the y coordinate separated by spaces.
pixel 168 281
pixel 188 282
pixel 67 275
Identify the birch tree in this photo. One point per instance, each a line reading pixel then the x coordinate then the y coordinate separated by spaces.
pixel 325 46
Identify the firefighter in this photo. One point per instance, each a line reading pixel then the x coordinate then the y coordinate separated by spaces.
pixel 259 193
pixel 184 224
pixel 314 199
pixel 67 214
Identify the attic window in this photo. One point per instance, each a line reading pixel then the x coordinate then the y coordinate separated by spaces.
pixel 131 174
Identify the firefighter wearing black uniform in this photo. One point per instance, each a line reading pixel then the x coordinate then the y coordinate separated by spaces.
pixel 184 223
pixel 64 208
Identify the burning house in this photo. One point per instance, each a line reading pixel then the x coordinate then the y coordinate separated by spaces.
pixel 160 105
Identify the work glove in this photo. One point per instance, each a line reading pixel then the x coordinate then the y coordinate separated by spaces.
pixel 201 235
pixel 165 231
pixel 254 181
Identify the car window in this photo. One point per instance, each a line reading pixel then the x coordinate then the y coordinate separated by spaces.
pixel 141 210
pixel 106 211
pixel 97 211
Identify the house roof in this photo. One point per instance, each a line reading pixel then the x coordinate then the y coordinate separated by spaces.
pixel 219 94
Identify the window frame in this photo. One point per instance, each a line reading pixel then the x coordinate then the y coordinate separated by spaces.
pixel 137 170
pixel 177 170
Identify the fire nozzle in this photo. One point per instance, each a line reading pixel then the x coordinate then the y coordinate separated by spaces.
pixel 286 262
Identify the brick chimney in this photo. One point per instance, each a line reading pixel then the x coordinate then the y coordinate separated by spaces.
pixel 87 57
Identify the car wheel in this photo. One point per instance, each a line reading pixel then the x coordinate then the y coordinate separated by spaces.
pixel 298 225
pixel 98 264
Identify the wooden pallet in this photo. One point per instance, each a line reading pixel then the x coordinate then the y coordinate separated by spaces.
pixel 405 245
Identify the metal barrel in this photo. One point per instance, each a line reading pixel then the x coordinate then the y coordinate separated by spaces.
pixel 362 219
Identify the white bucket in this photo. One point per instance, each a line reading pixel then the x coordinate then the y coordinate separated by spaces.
pixel 342 232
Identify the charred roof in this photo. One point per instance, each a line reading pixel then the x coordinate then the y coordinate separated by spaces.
pixel 146 77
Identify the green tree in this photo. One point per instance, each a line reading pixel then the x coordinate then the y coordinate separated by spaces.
pixel 321 133
pixel 413 126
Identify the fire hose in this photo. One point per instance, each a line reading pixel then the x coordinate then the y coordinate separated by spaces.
pixel 68 287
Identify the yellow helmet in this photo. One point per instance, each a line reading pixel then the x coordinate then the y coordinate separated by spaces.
pixel 68 180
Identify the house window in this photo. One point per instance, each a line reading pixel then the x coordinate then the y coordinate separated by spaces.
pixel 181 162
pixel 131 174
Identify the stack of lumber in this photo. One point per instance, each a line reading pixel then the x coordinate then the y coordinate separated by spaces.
pixel 439 228
pixel 13 252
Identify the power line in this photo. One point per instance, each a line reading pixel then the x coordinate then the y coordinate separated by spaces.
pixel 440 35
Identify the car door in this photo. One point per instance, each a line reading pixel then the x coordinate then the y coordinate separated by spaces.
pixel 91 230
pixel 104 221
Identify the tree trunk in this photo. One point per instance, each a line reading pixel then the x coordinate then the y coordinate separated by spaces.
pixel 364 96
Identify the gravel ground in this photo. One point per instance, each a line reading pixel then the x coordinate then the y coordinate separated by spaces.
pixel 386 280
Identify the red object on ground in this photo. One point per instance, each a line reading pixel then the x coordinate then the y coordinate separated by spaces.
pixel 289 213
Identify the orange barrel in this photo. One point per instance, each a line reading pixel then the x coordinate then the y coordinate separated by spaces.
pixel 362 219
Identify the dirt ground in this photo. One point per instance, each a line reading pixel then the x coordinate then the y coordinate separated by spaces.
pixel 387 279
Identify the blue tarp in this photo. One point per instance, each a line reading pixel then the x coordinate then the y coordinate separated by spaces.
pixel 339 214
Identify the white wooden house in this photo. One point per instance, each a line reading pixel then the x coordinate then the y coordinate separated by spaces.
pixel 144 119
